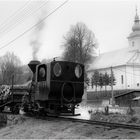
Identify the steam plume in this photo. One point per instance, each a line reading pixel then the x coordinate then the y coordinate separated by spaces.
pixel 35 41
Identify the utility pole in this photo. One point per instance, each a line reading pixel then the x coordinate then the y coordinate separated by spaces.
pixel 12 85
pixel 112 93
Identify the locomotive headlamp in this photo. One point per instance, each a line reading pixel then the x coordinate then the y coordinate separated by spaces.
pixel 57 69
pixel 78 71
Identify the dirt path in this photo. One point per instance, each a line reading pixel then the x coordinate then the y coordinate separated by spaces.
pixel 22 127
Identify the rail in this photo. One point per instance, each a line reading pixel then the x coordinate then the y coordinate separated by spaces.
pixel 103 123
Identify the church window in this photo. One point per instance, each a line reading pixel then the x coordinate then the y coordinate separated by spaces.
pixel 122 79
pixel 133 43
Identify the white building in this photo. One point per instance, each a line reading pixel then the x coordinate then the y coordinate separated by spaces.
pixel 124 62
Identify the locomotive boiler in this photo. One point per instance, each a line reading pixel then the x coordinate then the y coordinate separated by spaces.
pixel 56 88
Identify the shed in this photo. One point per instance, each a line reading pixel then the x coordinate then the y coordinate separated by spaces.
pixel 128 98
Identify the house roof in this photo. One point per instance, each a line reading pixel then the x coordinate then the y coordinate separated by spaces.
pixel 136 98
pixel 126 92
pixel 114 58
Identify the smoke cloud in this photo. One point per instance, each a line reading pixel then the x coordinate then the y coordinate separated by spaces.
pixel 36 36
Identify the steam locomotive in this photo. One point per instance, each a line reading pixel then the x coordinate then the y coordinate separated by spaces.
pixel 56 87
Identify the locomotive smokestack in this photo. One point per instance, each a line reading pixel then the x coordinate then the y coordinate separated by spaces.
pixel 32 65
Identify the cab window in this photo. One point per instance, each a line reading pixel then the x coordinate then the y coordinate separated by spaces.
pixel 42 73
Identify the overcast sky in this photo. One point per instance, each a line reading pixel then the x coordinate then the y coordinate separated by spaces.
pixel 111 21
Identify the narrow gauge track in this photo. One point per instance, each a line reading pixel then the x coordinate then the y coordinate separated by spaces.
pixel 108 124
pixel 102 123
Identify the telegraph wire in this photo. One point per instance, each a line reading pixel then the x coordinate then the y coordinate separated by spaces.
pixel 12 20
pixel 21 19
pixel 19 36
pixel 15 13
pixel 28 14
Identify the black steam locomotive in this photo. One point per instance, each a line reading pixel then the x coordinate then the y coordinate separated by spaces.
pixel 56 87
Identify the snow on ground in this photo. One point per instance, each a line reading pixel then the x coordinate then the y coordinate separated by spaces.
pixel 86 111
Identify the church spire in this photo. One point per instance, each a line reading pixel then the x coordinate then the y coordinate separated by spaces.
pixel 134 37
pixel 136 17
pixel 136 26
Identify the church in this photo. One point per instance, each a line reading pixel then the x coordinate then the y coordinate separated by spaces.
pixel 125 63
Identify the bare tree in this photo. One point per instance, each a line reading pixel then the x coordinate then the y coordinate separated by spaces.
pixel 101 80
pixel 95 79
pixel 10 65
pixel 79 44
pixel 106 80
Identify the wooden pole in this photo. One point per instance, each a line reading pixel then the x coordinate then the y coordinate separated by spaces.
pixel 12 85
pixel 112 93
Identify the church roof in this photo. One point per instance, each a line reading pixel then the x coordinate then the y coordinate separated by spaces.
pixel 114 58
pixel 134 34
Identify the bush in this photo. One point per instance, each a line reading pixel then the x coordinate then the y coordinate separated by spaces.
pixel 130 111
pixel 133 120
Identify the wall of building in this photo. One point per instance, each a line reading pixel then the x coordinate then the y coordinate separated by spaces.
pixel 127 77
pixel 134 42
pixel 136 77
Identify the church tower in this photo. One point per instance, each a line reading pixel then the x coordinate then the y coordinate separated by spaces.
pixel 134 37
